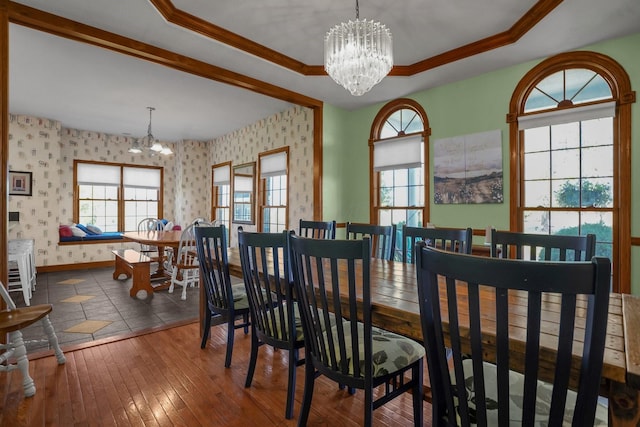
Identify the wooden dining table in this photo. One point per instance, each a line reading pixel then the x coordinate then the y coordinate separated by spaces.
pixel 160 239
pixel 394 300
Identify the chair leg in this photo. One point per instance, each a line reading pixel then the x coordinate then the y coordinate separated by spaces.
pixel 417 394
pixel 291 385
pixel 207 328
pixel 174 279
pixel 20 353
pixel 252 359
pixel 245 318
pixel 230 335
pixel 53 340
pixel 307 395
pixel 368 406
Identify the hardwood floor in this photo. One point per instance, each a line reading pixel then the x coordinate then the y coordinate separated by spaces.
pixel 163 378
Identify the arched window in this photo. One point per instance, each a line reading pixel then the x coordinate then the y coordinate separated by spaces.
pixel 570 125
pixel 398 172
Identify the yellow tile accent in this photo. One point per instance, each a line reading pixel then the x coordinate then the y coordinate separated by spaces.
pixel 78 298
pixel 88 326
pixel 71 281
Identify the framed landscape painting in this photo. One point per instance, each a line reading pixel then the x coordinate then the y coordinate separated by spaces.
pixel 20 183
pixel 468 169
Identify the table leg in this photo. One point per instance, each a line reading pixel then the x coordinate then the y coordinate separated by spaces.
pixel 624 405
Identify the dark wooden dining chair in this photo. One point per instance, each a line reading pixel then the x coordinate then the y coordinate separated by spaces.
pixel 449 239
pixel 480 307
pixel 13 350
pixel 352 353
pixel 275 319
pixel 223 299
pixel 317 229
pixel 382 238
pixel 547 247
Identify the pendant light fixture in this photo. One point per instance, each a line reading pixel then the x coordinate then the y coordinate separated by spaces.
pixel 358 54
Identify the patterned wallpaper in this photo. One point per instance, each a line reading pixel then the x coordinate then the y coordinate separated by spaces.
pixel 47 149
pixel 293 127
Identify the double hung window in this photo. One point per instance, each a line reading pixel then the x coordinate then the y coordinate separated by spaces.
pixel 116 197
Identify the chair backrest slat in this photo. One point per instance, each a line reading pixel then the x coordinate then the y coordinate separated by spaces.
pixel 544 247
pixel 382 237
pixel 459 294
pixel 317 229
pixel 449 239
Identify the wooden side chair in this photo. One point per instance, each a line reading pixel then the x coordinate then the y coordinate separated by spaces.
pixel 149 224
pixel 547 247
pixel 352 353
pixel 275 319
pixel 449 239
pixel 382 238
pixel 317 229
pixel 223 299
pixel 184 262
pixel 14 352
pixel 476 386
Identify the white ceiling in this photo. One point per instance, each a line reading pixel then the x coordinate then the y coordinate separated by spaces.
pixel 88 87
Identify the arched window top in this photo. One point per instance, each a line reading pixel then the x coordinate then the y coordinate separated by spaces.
pixel 398 118
pixel 567 87
pixel 401 122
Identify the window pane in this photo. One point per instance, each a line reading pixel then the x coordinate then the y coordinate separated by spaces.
pixel 597 132
pixel 537 139
pixel 597 193
pixel 536 193
pixel 536 222
pixel 561 221
pixel 565 164
pixel 597 161
pixel 537 166
pixel 566 193
pixel 565 136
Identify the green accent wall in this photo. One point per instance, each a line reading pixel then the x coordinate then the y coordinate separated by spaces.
pixel 474 105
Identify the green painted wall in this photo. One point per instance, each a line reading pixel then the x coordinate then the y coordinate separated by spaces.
pixel 473 105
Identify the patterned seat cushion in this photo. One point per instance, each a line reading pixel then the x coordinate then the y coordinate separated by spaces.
pixel 516 387
pixel 391 351
pixel 240 299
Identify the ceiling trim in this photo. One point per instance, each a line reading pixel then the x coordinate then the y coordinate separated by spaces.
pixel 193 23
pixel 63 27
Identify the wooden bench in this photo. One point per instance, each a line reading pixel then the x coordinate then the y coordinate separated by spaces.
pixel 134 264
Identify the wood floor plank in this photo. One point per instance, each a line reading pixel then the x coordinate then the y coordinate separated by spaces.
pixel 164 379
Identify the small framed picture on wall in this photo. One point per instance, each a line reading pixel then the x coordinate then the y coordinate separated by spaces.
pixel 20 183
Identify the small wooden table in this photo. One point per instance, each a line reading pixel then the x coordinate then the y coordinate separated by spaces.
pixel 161 239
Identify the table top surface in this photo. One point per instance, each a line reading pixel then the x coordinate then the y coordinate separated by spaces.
pixel 157 238
pixel 394 299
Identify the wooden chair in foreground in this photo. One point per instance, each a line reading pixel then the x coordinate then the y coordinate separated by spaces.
pixel 382 237
pixel 275 319
pixel 468 298
pixel 448 239
pixel 317 229
pixel 14 352
pixel 547 247
pixel 223 299
pixel 345 352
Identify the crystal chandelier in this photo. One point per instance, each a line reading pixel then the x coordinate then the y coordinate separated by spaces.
pixel 358 54
pixel 149 142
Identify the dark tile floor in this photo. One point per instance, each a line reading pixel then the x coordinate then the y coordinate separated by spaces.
pixel 90 305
